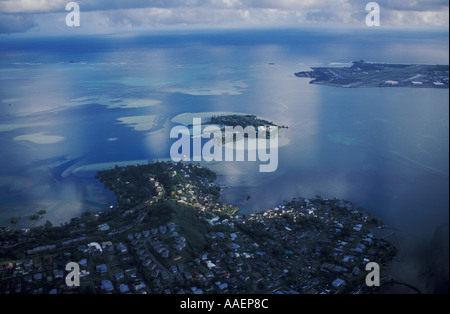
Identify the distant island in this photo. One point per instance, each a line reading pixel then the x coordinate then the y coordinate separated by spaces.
pixel 240 120
pixel 366 74
pixel 244 121
pixel 170 233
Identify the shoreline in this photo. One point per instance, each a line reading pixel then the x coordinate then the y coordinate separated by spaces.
pixel 291 223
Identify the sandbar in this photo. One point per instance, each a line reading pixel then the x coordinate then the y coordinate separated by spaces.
pixel 40 138
pixel 140 123
pixel 210 89
pixel 134 103
pixel 15 126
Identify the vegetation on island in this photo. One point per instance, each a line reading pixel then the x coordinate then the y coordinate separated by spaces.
pixel 244 121
pixel 240 120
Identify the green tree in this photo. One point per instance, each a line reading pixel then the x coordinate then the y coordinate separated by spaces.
pixel 34 217
pixel 326 251
pixel 15 220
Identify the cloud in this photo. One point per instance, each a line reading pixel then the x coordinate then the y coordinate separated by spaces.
pixel 418 6
pixel 414 18
pixel 49 6
pixel 150 13
pixel 173 16
pixel 280 12
pixel 16 23
pixel 32 6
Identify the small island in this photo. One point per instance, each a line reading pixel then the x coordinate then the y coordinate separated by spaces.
pixel 240 120
pixel 244 121
pixel 170 233
pixel 366 74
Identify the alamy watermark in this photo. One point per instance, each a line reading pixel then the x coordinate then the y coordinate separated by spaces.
pixel 227 144
pixel 373 278
pixel 73 278
pixel 373 18
pixel 73 17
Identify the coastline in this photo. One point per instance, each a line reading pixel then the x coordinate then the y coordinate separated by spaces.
pixel 275 238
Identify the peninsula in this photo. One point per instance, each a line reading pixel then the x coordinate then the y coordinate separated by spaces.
pixel 170 233
pixel 365 74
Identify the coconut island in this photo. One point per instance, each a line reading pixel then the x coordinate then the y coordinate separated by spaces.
pixel 241 123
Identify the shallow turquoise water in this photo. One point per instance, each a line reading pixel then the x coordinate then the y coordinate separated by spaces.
pixel 63 103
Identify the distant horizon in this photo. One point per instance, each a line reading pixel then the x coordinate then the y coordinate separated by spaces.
pixel 165 36
pixel 193 30
pixel 332 28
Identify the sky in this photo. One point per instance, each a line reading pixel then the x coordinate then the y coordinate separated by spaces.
pixel 46 17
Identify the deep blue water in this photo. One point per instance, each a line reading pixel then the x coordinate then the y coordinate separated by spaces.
pixel 73 90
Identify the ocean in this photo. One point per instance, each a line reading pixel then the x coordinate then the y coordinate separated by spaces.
pixel 70 106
